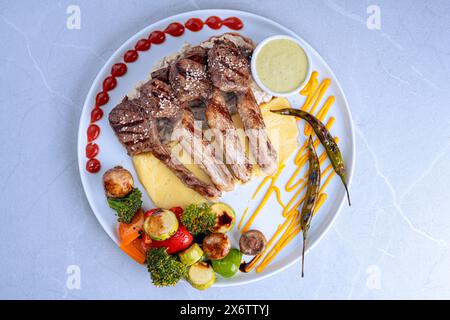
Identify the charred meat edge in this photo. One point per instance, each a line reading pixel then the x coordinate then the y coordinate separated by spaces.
pixel 260 145
pixel 219 120
pixel 201 151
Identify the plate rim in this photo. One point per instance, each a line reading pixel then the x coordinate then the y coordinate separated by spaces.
pixel 126 44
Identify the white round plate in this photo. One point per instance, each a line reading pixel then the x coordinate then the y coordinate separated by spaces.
pixel 112 153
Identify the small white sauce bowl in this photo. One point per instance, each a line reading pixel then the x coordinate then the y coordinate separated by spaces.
pixel 258 80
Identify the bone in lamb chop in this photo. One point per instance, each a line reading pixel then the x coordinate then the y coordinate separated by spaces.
pixel 136 129
pixel 228 68
pixel 255 129
pixel 161 102
pixel 189 78
pixel 230 72
pixel 197 54
pixel 191 139
pixel 219 120
pixel 158 100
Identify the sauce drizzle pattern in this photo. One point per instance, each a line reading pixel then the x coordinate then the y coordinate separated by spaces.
pixel 174 29
pixel 314 92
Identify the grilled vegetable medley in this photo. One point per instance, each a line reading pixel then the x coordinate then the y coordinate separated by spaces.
pixel 175 244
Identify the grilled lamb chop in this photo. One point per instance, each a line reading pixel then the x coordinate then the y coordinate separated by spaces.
pixel 157 98
pixel 163 154
pixel 137 131
pixel 228 68
pixel 244 44
pixel 130 124
pixel 197 54
pixel 219 120
pixel 189 80
pixel 191 140
pixel 190 83
pixel 255 129
pixel 201 151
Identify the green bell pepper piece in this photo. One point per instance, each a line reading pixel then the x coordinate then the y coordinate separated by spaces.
pixel 228 266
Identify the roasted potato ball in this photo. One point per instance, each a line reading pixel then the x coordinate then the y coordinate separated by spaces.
pixel 252 242
pixel 118 182
pixel 216 246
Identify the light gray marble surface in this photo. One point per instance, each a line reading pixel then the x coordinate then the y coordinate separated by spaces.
pixel 392 243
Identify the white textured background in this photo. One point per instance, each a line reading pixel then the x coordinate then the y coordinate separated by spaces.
pixel 397 82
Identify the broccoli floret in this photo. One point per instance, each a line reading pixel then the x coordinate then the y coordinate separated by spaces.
pixel 127 206
pixel 198 218
pixel 165 270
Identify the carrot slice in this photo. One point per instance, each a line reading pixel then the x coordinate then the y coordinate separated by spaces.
pixel 129 238
pixel 133 252
pixel 129 232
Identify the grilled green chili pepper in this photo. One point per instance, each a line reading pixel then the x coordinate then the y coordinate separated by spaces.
pixel 311 196
pixel 325 138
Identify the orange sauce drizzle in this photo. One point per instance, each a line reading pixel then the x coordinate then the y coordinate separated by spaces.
pixel 260 186
pixel 278 196
pixel 257 258
pixel 266 197
pixel 287 236
pixel 243 217
pixel 314 92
